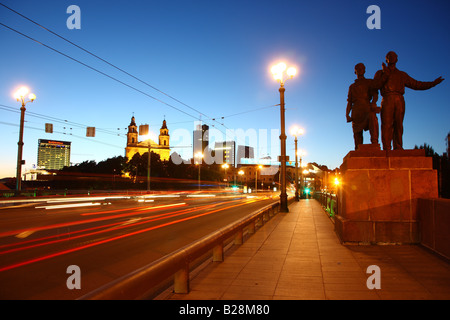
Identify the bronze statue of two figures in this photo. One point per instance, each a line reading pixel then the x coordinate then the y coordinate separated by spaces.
pixel 363 96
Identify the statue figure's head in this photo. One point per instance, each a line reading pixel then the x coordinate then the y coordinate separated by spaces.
pixel 360 69
pixel 391 58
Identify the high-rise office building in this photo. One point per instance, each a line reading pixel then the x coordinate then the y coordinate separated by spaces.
pixel 227 149
pixel 53 154
pixel 201 139
pixel 245 152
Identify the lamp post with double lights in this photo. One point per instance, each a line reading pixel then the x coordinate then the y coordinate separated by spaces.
pixel 20 96
pixel 281 73
pixel 296 131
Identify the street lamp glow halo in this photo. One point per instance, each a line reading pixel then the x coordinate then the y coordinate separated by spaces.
pixel 301 152
pixel 291 72
pixel 150 136
pixel 280 70
pixel 21 93
pixel 297 131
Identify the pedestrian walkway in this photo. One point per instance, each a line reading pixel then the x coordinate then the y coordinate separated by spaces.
pixel 297 255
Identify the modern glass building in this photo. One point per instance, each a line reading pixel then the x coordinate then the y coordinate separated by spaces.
pixel 53 154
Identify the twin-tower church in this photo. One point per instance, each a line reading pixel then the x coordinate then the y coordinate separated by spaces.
pixel 134 146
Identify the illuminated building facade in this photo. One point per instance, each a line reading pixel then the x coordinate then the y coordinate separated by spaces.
pixel 53 154
pixel 227 151
pixel 134 146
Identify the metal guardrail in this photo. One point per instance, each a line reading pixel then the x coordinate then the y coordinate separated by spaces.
pixel 328 201
pixel 141 283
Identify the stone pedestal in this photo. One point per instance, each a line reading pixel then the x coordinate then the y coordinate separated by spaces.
pixel 377 199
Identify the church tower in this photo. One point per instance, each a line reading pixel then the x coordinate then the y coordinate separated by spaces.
pixel 164 135
pixel 161 147
pixel 132 135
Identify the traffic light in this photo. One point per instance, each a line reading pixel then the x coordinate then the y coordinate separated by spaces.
pixel 90 132
pixel 49 127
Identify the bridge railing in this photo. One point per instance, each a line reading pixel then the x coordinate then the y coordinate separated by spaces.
pixel 146 281
pixel 328 202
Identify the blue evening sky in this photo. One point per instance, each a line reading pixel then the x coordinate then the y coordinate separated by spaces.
pixel 215 57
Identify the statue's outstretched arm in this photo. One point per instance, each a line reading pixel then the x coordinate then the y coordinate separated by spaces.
pixel 421 85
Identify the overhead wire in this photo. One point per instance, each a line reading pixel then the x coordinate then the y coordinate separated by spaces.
pixel 54 119
pixel 109 63
pixel 77 136
pixel 96 70
pixel 120 69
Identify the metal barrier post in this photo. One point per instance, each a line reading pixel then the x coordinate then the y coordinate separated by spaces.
pixel 218 253
pixel 252 227
pixel 239 238
pixel 265 216
pixel 181 280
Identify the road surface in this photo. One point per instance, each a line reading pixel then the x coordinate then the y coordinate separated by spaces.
pixel 105 237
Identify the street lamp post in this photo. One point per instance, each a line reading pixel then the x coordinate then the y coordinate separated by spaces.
pixel 296 132
pixel 241 173
pixel 225 166
pixel 256 178
pixel 149 136
pixel 279 74
pixel 149 165
pixel 20 96
pixel 199 155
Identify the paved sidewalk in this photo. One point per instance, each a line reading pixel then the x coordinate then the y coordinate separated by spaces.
pixel 297 255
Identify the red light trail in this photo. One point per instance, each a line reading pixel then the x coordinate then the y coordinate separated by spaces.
pixel 114 238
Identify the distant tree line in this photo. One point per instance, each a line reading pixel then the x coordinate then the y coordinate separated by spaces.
pixel 123 173
pixel 442 165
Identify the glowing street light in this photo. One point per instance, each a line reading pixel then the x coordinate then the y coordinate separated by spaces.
pixel 241 173
pixel 226 166
pixel 281 73
pixel 336 182
pixel 20 96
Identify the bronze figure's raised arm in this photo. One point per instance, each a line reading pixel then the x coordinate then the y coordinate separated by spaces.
pixel 393 103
